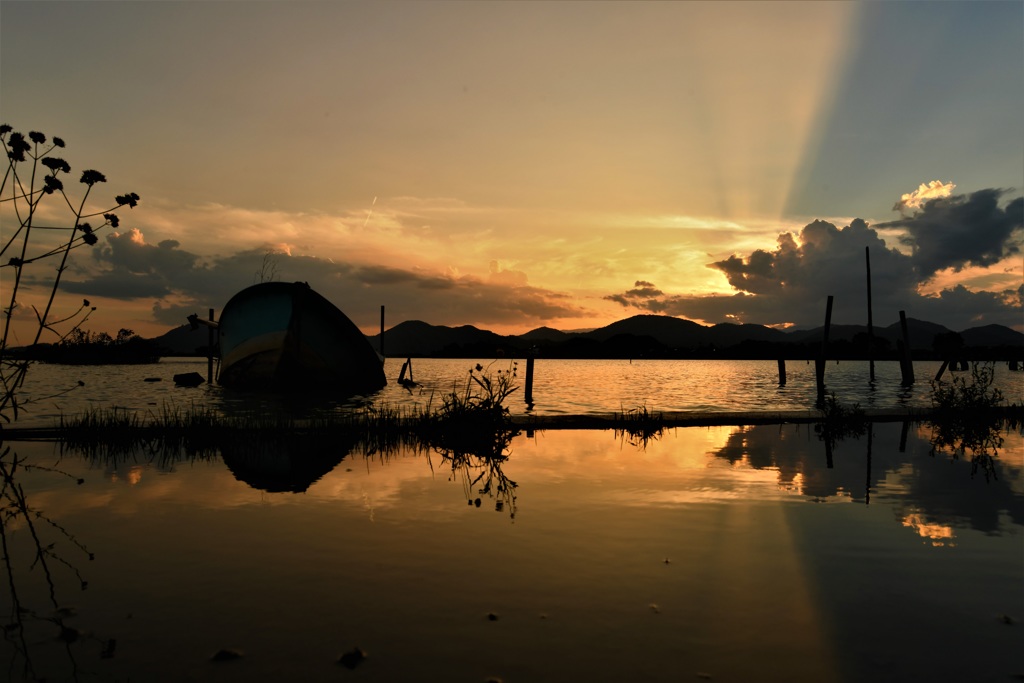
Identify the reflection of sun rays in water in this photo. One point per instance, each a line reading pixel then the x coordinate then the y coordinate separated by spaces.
pixel 368 506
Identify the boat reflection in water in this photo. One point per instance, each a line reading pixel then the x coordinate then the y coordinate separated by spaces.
pixel 756 553
pixel 283 336
pixel 283 465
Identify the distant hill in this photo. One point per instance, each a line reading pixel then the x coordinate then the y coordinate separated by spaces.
pixel 417 338
pixel 992 335
pixel 670 331
pixel 731 334
pixel 545 334
pixel 920 332
pixel 649 336
pixel 183 341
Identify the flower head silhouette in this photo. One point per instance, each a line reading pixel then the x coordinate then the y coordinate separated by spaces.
pixel 18 147
pixel 92 177
pixel 56 164
pixel 131 199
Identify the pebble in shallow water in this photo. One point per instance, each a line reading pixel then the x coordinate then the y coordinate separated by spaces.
pixel 352 658
pixel 226 655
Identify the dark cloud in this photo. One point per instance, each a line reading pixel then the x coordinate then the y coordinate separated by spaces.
pixel 456 300
pixel 972 309
pixel 643 293
pixel 383 275
pixel 127 268
pixel 129 252
pixel 120 285
pixel 961 230
pixel 791 284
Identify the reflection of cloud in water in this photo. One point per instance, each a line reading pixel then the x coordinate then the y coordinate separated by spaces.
pixel 573 454
pixel 687 466
pixel 938 489
pixel 940 535
pixel 133 476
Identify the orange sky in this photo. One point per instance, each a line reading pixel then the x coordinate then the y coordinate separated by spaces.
pixel 512 165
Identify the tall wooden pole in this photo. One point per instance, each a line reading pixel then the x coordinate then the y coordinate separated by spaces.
pixel 906 363
pixel 820 365
pixel 529 378
pixel 871 327
pixel 209 351
pixel 867 484
pixel 382 331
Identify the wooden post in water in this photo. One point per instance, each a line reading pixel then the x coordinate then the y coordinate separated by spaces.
pixel 381 345
pixel 529 378
pixel 906 364
pixel 867 483
pixel 942 369
pixel 209 351
pixel 871 327
pixel 782 372
pixel 819 366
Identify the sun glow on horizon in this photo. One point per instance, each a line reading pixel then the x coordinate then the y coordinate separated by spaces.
pixel 511 189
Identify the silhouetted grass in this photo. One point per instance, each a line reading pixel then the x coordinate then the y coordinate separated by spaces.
pixel 839 421
pixel 966 420
pixel 471 421
pixel 639 425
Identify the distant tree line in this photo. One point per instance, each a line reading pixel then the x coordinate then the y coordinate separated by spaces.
pixel 82 347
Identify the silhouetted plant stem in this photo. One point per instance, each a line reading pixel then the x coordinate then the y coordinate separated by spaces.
pixel 63 264
pixel 20 194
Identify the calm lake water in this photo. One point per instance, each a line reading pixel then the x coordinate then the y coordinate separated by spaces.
pixel 561 387
pixel 722 553
pixel 755 553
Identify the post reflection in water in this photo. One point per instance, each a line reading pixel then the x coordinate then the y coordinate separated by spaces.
pixel 734 553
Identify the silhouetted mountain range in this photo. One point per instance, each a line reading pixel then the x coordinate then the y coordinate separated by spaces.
pixel 659 336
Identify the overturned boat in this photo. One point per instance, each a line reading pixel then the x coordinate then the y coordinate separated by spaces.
pixel 283 336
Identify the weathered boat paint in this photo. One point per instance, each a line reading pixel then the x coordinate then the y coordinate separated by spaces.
pixel 283 336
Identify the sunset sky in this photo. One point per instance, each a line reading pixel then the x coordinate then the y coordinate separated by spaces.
pixel 517 164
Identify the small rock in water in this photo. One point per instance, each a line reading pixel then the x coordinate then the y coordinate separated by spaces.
pixel 153 379
pixel 69 634
pixel 226 655
pixel 188 379
pixel 352 658
pixel 491 616
pixel 655 608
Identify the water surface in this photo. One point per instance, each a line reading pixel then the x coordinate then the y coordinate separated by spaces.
pixel 721 553
pixel 561 387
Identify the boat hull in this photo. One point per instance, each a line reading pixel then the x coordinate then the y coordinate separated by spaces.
pixel 278 336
